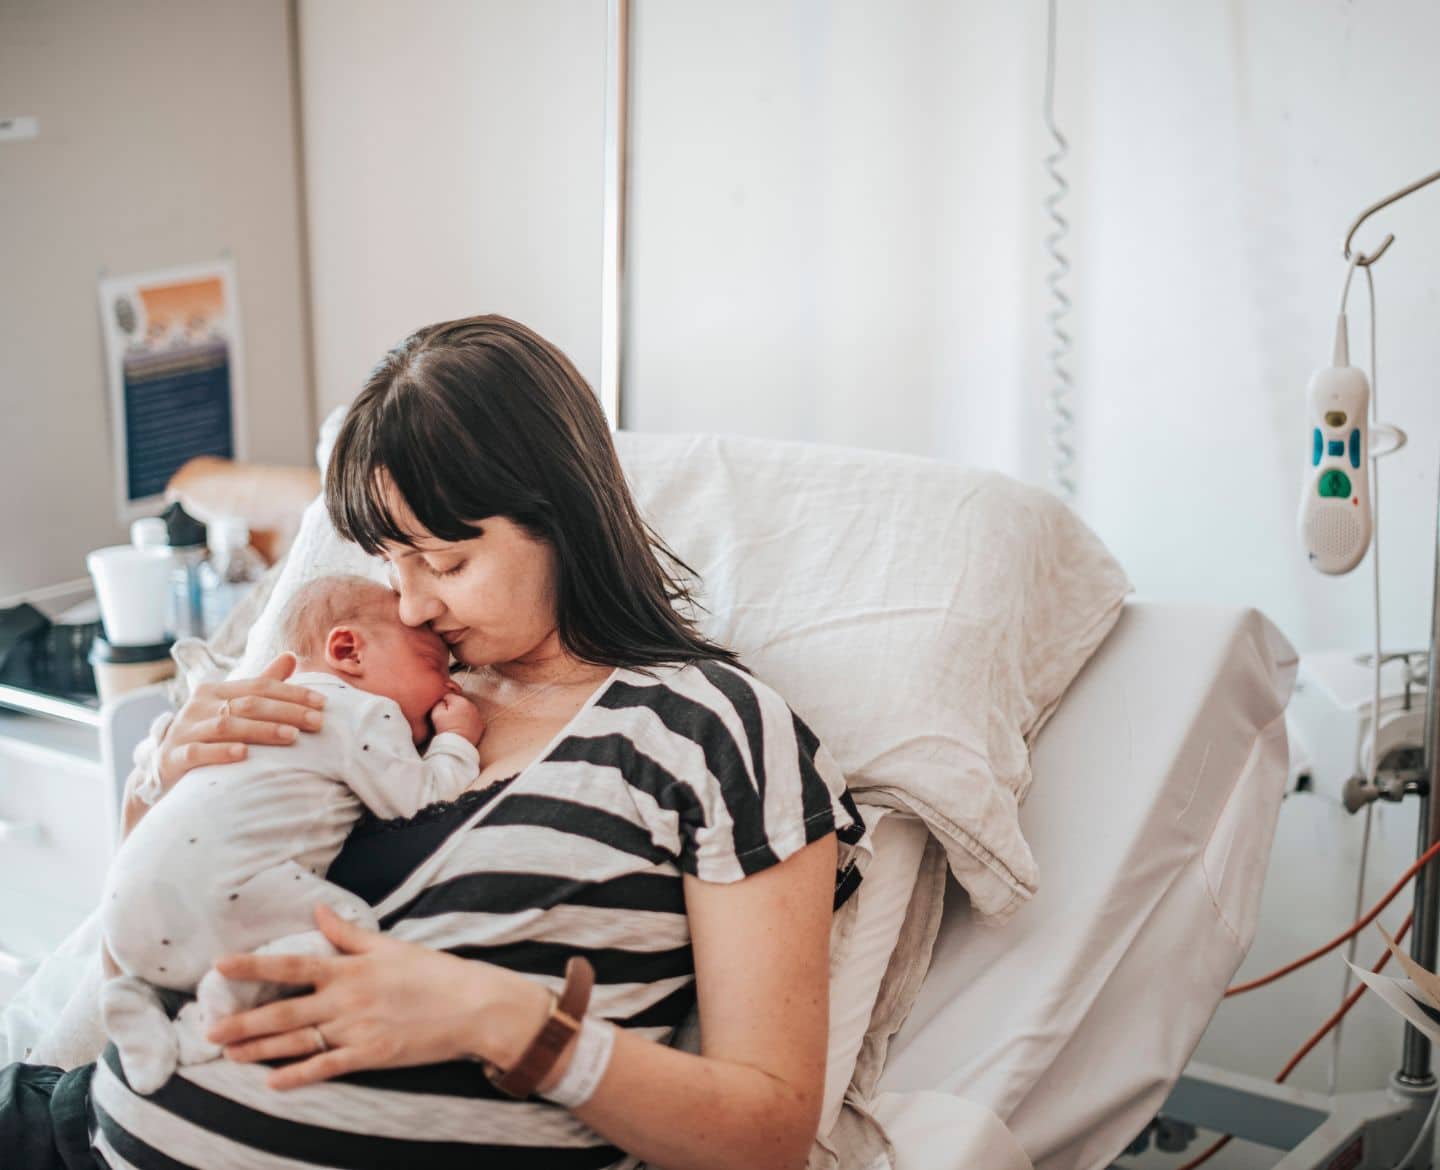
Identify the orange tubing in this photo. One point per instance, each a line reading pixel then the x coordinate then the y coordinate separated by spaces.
pixel 1320 952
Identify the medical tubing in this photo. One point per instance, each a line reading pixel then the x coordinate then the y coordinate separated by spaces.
pixel 1372 768
pixel 1321 952
pixel 1305 1049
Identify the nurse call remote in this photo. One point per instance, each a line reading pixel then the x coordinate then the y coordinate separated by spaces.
pixel 1335 497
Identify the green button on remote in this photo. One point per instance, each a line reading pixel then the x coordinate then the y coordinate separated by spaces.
pixel 1335 484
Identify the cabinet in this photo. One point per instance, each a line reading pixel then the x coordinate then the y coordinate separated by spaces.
pixel 57 834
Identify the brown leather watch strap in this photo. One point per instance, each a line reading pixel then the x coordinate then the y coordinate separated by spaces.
pixel 566 1013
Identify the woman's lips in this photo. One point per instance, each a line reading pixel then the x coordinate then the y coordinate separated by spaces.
pixel 452 637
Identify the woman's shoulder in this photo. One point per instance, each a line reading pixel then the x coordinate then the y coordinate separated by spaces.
pixel 732 778
pixel 698 675
pixel 716 704
pixel 714 686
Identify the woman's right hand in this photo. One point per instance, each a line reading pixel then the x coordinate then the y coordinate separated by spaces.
pixel 219 719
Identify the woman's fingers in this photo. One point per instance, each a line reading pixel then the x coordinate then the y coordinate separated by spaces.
pixel 177 761
pixel 271 1019
pixel 229 715
pixel 263 688
pixel 346 936
pixel 252 968
pixel 282 666
pixel 322 1067
pixel 250 719
pixel 281 1047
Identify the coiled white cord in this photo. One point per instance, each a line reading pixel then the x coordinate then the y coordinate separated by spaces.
pixel 1063 418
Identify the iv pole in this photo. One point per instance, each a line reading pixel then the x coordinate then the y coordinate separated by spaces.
pixel 1415 1064
pixel 1381 1129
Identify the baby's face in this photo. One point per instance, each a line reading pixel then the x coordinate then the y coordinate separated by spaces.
pixel 410 665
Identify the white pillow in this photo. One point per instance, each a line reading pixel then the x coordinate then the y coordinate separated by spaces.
pixel 924 619
pixel 860 950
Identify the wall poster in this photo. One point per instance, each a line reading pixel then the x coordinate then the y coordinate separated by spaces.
pixel 173 356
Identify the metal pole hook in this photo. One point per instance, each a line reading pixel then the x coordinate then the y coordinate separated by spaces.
pixel 1362 259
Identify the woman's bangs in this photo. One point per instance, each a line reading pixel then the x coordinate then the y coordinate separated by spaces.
pixel 361 512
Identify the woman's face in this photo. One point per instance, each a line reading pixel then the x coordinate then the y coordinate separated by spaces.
pixel 492 598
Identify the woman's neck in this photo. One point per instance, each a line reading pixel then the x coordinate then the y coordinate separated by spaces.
pixel 549 663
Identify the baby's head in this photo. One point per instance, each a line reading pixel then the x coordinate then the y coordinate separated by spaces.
pixel 350 626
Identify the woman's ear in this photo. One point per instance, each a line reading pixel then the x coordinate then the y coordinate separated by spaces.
pixel 344 646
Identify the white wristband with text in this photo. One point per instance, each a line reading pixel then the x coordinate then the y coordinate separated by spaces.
pixel 587 1066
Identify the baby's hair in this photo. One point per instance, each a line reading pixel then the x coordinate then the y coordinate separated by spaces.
pixel 326 602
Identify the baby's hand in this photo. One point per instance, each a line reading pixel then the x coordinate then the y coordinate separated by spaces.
pixel 458 714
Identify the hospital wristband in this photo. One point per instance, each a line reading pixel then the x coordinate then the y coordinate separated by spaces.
pixel 591 1057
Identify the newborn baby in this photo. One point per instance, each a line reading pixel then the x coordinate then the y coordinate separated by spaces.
pixel 233 858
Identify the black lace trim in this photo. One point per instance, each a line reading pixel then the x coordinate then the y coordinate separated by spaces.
pixel 466 801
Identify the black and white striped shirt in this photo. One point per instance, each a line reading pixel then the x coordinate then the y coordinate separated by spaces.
pixel 702 769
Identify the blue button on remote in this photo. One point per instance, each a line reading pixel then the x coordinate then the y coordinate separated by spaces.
pixel 1355 448
pixel 1337 446
pixel 1319 447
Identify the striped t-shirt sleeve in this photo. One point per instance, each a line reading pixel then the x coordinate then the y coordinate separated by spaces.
pixel 759 785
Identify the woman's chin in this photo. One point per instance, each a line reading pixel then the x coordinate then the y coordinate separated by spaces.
pixel 471 651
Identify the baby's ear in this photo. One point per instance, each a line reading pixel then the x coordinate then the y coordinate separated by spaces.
pixel 344 646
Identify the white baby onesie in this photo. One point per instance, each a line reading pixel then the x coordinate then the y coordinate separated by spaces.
pixel 233 860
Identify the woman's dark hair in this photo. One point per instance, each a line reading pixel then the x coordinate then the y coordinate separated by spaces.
pixel 483 417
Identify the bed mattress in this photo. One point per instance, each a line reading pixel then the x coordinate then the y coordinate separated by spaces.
pixel 1156 787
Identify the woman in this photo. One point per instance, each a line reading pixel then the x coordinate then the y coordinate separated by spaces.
pixel 643 801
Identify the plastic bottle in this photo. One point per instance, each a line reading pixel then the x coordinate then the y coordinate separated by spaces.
pixel 187 539
pixel 231 571
pixel 151 532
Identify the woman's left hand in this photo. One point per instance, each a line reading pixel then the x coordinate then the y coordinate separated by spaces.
pixel 381 1003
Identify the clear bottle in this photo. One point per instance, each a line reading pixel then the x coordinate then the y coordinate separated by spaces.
pixel 231 571
pixel 187 538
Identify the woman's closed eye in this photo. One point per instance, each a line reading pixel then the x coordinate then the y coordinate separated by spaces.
pixel 448 571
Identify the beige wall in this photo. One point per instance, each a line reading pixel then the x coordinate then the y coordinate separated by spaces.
pixel 453 166
pixel 166 137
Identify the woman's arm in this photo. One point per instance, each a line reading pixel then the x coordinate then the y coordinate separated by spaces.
pixel 752 1098
pixel 750 1101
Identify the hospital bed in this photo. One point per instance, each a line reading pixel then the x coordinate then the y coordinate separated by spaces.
pixel 1156 787
pixel 1157 784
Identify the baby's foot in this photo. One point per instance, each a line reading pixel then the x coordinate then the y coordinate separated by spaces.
pixel 142 1032
pixel 190 1029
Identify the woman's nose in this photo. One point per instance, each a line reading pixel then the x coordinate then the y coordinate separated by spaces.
pixel 417 608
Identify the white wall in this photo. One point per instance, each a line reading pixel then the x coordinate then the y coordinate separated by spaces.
pixel 453 161
pixel 1224 165
pixel 833 223
pixel 836 227
pixel 166 137
pixel 836 231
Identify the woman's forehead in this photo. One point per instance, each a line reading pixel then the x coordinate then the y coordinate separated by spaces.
pixel 418 538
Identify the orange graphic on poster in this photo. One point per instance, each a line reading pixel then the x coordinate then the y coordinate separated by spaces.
pixel 188 310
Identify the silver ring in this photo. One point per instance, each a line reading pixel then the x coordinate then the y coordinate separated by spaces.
pixel 224 708
pixel 320 1038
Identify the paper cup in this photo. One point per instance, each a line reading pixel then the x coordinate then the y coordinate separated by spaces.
pixel 132 585
pixel 124 668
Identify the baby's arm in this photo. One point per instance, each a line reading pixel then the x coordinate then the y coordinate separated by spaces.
pixel 388 774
